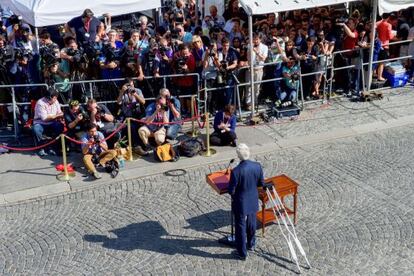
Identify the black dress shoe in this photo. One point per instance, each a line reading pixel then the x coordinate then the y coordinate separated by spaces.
pixel 238 256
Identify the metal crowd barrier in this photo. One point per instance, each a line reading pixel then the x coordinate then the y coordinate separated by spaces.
pixel 15 104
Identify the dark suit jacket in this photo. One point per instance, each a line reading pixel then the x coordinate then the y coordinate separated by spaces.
pixel 244 180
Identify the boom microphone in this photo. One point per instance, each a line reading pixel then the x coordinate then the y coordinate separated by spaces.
pixel 228 167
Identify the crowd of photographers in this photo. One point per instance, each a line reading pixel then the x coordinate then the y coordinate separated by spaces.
pixel 216 47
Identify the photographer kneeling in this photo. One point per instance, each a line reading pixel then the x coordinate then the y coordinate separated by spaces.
pixel 173 112
pixel 76 120
pixel 291 74
pixel 224 127
pixel 95 150
pixel 155 125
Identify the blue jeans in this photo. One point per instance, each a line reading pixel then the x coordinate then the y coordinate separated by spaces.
pixel 52 130
pixel 288 95
pixel 172 131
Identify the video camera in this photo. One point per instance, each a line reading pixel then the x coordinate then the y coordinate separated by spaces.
pixel 6 55
pixel 77 55
pixel 21 53
pixel 49 53
pixel 109 53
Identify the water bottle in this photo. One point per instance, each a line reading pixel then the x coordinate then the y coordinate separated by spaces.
pixel 121 162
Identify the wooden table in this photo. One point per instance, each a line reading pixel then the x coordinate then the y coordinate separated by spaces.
pixel 284 186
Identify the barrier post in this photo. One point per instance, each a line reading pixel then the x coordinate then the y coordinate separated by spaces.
pixel 209 152
pixel 193 132
pixel 130 153
pixel 65 176
pixel 14 113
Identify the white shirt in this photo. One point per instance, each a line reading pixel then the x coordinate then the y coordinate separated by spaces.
pixel 263 51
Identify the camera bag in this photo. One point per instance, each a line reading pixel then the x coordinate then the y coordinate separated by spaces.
pixel 165 153
pixel 191 147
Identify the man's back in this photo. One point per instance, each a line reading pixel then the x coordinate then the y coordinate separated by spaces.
pixel 244 180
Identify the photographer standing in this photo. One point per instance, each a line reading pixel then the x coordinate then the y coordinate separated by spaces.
pixel 16 29
pixel 351 58
pixel 131 100
pixel 95 150
pixel 185 64
pixel 227 65
pixel 110 59
pixel 260 52
pixel 84 28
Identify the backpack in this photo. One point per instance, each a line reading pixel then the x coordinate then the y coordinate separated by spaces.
pixel 191 147
pixel 112 167
pixel 165 153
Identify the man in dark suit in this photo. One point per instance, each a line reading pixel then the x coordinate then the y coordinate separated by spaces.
pixel 244 180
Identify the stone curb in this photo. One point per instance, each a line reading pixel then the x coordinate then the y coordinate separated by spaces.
pixel 133 173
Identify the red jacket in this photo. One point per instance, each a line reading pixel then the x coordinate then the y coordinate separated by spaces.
pixel 191 64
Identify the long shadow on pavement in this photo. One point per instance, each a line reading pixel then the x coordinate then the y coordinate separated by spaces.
pixel 151 236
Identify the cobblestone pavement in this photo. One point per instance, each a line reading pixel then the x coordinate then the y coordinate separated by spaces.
pixel 356 217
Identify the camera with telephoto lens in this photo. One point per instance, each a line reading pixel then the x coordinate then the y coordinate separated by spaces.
pixel 181 62
pixel 294 77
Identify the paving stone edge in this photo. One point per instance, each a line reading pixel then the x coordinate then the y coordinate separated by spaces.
pixel 60 188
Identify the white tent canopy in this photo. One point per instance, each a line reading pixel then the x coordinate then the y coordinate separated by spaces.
pixel 40 13
pixel 394 5
pixel 267 6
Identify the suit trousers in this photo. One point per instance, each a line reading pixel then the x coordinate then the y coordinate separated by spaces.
pixel 245 226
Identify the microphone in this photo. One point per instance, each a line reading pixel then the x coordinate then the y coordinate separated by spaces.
pixel 228 166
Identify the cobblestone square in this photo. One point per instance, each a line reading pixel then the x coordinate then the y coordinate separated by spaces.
pixel 356 217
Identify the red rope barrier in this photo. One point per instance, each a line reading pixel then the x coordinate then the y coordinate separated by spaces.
pixel 197 115
pixel 31 148
pixel 107 138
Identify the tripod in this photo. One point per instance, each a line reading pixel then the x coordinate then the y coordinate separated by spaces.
pixel 289 234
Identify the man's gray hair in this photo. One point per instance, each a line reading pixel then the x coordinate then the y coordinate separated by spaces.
pixel 164 90
pixel 243 152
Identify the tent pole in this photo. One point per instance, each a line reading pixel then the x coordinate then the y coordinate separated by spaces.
pixel 371 49
pixel 37 39
pixel 251 63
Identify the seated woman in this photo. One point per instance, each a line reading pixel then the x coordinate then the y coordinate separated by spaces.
pixel 224 127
